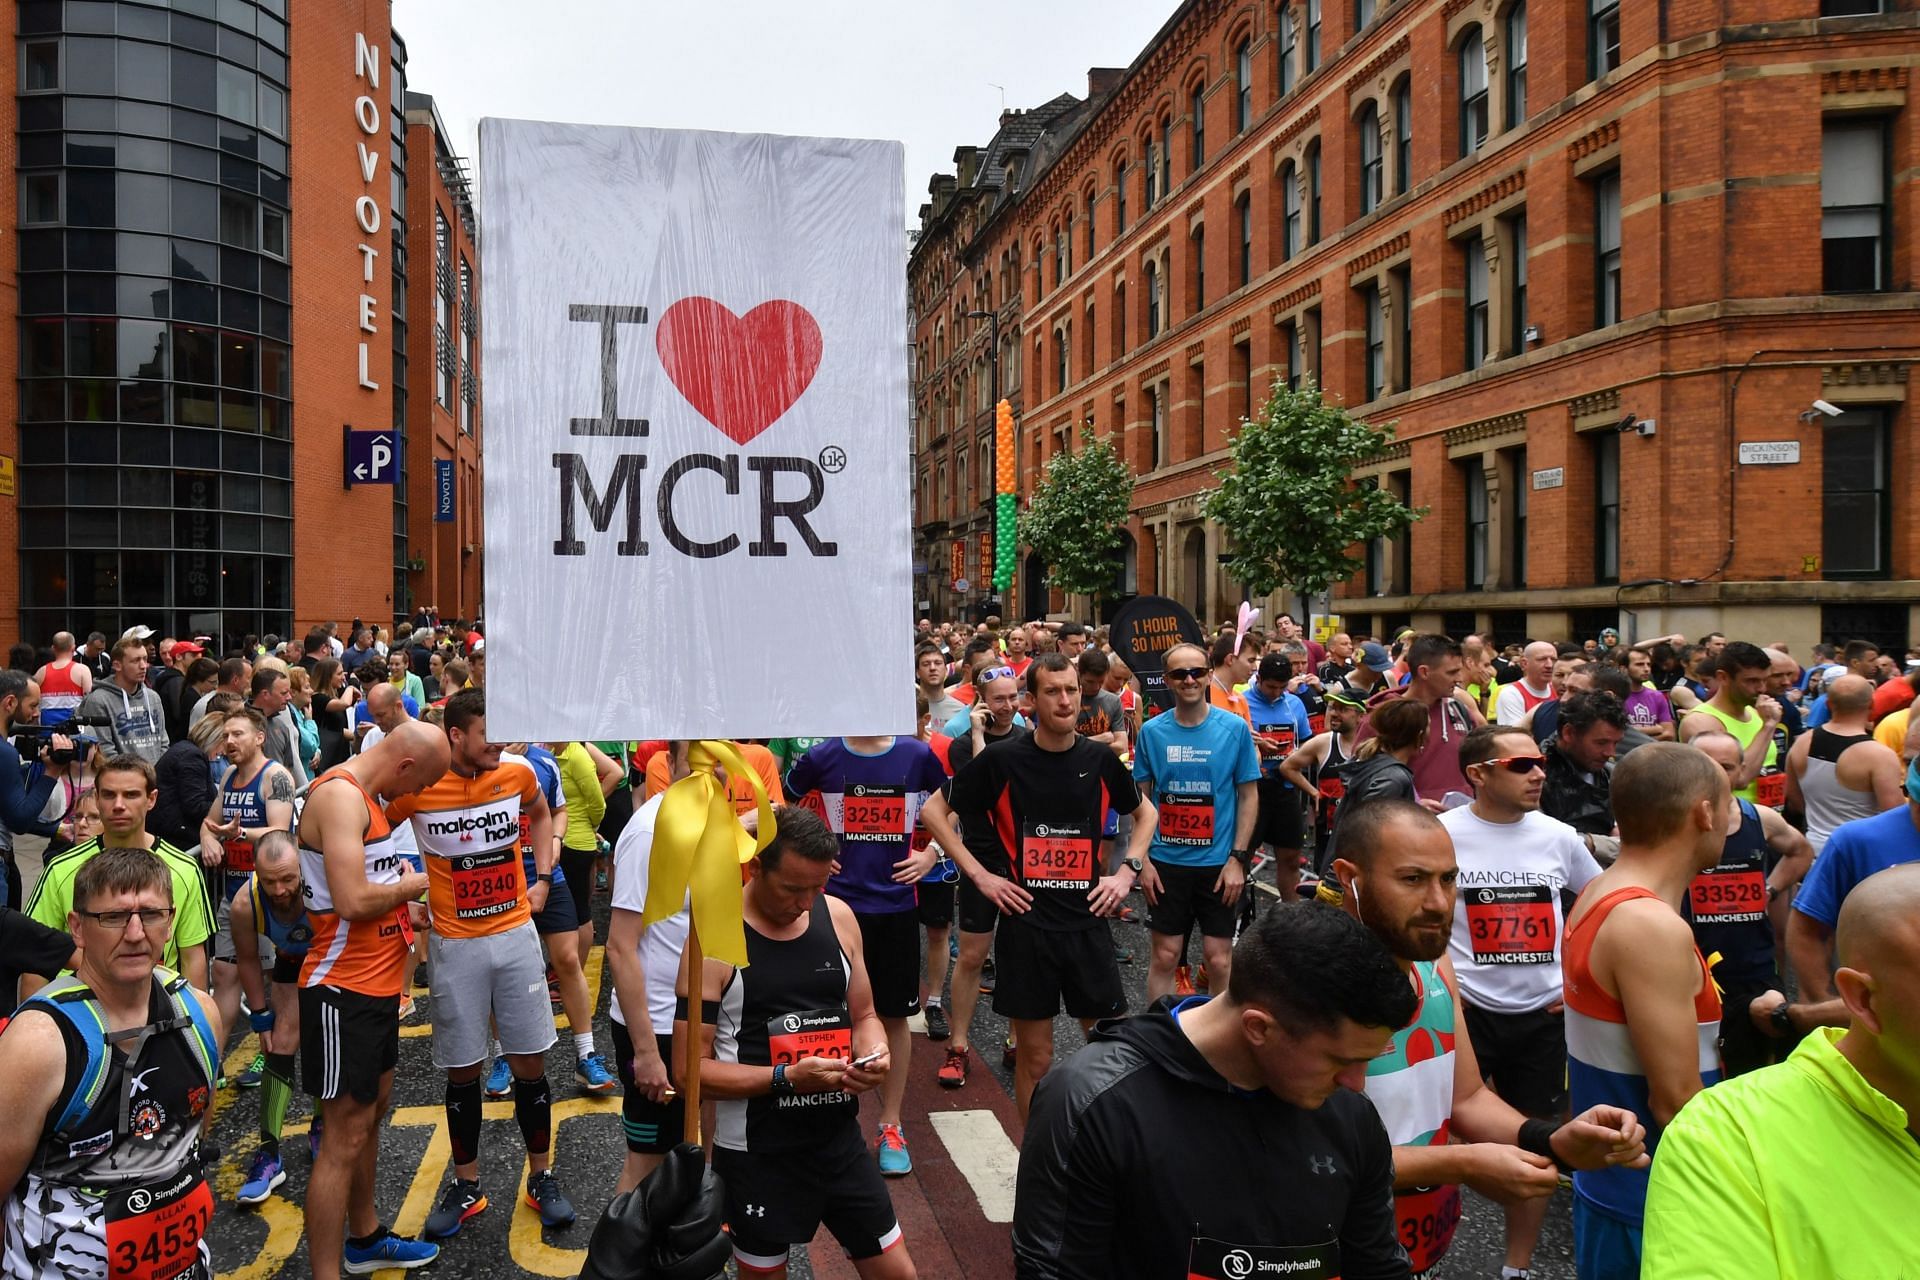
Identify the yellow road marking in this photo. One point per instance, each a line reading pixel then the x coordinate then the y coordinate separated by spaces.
pixel 285 1220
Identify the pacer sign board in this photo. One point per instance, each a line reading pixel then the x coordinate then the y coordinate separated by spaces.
pixel 696 480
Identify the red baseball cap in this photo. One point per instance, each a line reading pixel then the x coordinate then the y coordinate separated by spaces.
pixel 188 646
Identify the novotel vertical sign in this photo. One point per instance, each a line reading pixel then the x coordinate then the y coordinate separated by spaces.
pixel 370 117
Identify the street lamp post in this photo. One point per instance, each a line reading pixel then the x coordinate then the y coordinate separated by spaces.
pixel 993 456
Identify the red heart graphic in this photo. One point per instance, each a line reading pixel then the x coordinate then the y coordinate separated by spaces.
pixel 740 372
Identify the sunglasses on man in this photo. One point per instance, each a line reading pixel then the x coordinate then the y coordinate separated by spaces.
pixel 1177 674
pixel 1518 764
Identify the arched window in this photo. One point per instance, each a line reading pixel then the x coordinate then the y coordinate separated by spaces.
pixel 1197 113
pixel 1313 194
pixel 1473 91
pixel 1403 135
pixel 1372 166
pixel 1087 202
pixel 1119 196
pixel 1242 86
pixel 1290 202
pixel 1151 163
pixel 1152 271
pixel 1516 24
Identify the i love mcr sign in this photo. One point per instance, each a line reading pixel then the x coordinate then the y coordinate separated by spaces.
pixel 696 434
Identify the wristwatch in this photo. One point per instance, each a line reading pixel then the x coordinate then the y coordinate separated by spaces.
pixel 781 1085
pixel 544 877
pixel 1134 865
pixel 1782 1022
pixel 1244 857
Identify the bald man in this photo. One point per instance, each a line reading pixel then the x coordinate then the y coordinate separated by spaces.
pixel 1808 1168
pixel 1534 686
pixel 1643 1016
pixel 1838 773
pixel 1853 852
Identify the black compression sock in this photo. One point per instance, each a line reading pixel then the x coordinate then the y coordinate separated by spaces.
pixel 463 1120
pixel 533 1109
pixel 367 1242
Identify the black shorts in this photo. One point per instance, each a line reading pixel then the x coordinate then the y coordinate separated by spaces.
pixel 1039 968
pixel 1187 897
pixel 1282 817
pixel 891 943
pixel 347 1042
pixel 619 813
pixel 286 967
pixel 935 908
pixel 1524 1057
pixel 976 911
pixel 558 915
pixel 779 1199
pixel 652 1129
pixel 579 866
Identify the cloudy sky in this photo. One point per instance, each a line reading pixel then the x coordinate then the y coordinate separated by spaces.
pixel 929 73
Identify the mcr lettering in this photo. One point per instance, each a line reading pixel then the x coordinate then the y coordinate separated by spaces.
pixel 786 488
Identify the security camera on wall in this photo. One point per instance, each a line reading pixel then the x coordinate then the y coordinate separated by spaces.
pixel 1830 409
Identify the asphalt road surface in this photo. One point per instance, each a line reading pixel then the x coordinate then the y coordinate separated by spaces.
pixel 954 1207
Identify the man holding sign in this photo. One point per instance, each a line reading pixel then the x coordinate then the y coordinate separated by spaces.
pixel 1200 765
pixel 791 1041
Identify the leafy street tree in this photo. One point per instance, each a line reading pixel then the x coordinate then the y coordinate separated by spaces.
pixel 1288 504
pixel 1078 517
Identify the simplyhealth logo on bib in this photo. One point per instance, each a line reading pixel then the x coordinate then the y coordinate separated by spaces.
pixel 697 415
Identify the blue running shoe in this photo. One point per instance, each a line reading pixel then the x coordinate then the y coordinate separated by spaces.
pixel 462 1200
pixel 592 1076
pixel 544 1194
pixel 500 1079
pixel 250 1078
pixel 389 1250
pixel 263 1175
pixel 894 1160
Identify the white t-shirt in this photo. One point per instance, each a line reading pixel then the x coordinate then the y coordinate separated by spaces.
pixel 1508 926
pixel 660 944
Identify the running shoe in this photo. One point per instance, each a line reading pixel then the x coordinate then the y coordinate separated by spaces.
pixel 263 1175
pixel 986 977
pixel 406 1010
pixel 953 1072
pixel 543 1194
pixel 389 1250
pixel 462 1200
pixel 1006 1055
pixel 591 1074
pixel 892 1148
pixel 1183 981
pixel 250 1078
pixel 937 1025
pixel 421 979
pixel 500 1079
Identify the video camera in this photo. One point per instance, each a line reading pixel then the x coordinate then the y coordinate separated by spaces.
pixel 29 738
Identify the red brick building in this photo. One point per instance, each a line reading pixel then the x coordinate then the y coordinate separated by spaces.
pixel 212 283
pixel 1579 253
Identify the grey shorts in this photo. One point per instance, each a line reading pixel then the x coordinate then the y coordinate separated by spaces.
pixel 501 976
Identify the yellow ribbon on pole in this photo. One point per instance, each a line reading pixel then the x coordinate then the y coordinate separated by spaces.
pixel 699 846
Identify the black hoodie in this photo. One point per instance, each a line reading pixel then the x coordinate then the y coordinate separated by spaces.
pixel 1141 1161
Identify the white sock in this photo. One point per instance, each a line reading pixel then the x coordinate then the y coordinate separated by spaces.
pixel 1514 1273
pixel 583 1044
pixel 933 1002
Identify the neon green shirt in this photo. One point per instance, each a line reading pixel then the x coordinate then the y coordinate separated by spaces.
pixel 586 803
pixel 193 910
pixel 1798 1170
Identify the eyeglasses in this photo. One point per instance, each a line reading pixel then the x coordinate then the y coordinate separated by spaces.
pixel 1186 673
pixel 1520 764
pixel 115 921
pixel 996 673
